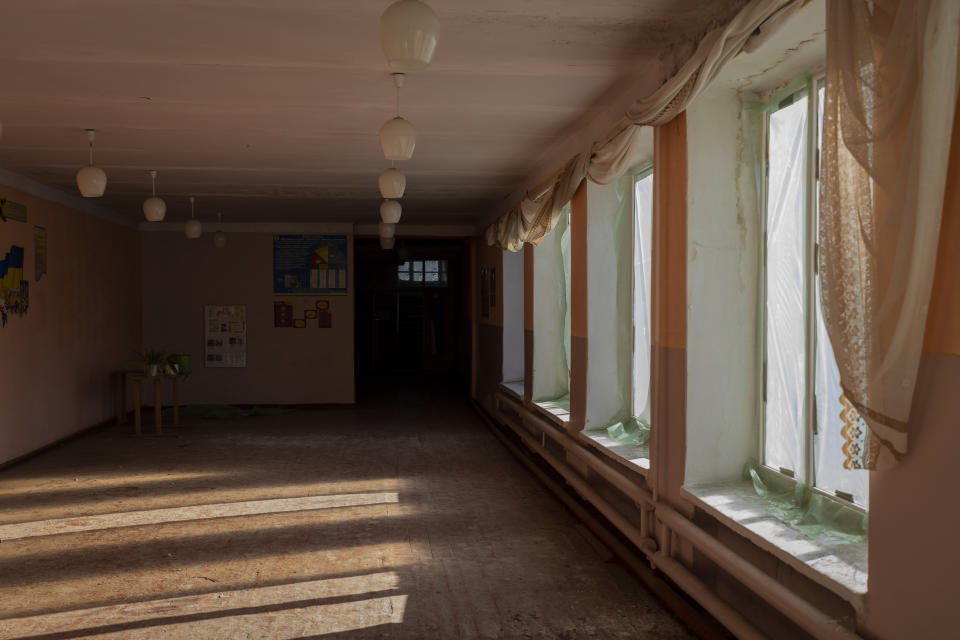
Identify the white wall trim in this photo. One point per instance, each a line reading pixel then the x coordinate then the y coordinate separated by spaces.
pixel 21 182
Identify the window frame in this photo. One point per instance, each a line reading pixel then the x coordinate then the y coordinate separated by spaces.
pixel 809 84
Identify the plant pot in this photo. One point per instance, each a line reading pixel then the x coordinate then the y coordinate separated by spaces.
pixel 151 370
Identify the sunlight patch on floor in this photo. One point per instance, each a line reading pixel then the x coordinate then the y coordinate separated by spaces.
pixel 198 512
pixel 291 610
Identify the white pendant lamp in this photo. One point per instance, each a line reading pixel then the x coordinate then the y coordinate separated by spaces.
pixel 397 136
pixel 390 211
pixel 388 229
pixel 193 229
pixel 392 183
pixel 154 208
pixel 91 180
pixel 397 139
pixel 387 243
pixel 409 32
pixel 219 238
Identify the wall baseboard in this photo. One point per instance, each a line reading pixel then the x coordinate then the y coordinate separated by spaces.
pixel 56 443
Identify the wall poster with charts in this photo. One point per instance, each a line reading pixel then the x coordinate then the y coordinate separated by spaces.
pixel 307 265
pixel 225 335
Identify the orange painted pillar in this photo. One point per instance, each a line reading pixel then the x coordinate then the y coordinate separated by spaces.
pixel 668 383
pixel 578 309
pixel 528 250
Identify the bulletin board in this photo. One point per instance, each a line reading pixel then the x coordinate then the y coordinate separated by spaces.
pixel 309 265
pixel 225 335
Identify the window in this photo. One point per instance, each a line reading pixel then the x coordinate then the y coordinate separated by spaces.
pixel 550 386
pixel 642 247
pixel 422 273
pixel 801 435
pixel 512 287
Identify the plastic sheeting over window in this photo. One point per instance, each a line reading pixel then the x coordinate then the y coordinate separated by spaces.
pixel 642 265
pixel 552 302
pixel 785 283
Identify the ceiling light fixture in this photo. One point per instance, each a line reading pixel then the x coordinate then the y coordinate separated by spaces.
pixel 409 32
pixel 219 238
pixel 390 211
pixel 397 136
pixel 91 180
pixel 392 183
pixel 387 243
pixel 193 229
pixel 388 229
pixel 154 208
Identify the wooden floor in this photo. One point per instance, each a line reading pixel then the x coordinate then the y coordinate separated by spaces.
pixel 401 518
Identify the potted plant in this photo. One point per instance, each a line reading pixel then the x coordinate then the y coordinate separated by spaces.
pixel 153 361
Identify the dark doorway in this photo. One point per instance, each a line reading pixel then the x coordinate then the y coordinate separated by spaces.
pixel 411 310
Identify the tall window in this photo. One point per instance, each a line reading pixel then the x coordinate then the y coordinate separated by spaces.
pixel 801 435
pixel 642 246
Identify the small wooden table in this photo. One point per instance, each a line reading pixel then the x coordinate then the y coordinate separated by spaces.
pixel 137 377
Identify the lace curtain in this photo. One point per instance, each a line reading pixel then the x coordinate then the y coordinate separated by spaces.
pixel 890 99
pixel 610 157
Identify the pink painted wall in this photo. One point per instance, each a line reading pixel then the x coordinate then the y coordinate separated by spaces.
pixel 83 323
pixel 284 365
pixel 914 519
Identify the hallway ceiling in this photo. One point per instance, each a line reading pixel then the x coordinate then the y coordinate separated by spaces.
pixel 269 109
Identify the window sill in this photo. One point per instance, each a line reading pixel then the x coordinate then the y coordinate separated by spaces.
pixel 513 386
pixel 837 566
pixel 635 456
pixel 553 411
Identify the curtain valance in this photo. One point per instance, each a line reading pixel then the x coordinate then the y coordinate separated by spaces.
pixel 610 157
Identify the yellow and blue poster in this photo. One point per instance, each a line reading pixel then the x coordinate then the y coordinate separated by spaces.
pixel 14 291
pixel 309 265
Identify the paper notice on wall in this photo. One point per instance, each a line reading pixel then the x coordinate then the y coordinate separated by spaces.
pixel 225 335
pixel 301 313
pixel 39 253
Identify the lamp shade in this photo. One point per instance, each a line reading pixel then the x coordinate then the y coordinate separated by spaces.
pixel 91 181
pixel 387 243
pixel 388 229
pixel 154 209
pixel 390 211
pixel 392 183
pixel 193 228
pixel 219 239
pixel 409 32
pixel 397 139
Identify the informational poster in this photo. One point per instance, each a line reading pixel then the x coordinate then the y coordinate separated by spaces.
pixel 225 335
pixel 302 313
pixel 39 252
pixel 14 290
pixel 10 210
pixel 306 265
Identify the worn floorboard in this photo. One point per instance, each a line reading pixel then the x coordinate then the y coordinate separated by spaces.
pixel 400 518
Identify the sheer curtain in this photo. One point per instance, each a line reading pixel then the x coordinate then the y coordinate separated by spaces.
pixel 889 105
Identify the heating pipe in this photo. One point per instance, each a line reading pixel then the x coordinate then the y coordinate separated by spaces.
pixel 774 593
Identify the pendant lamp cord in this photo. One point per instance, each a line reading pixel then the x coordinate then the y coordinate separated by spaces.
pixel 398 101
pixel 191 207
pixel 91 151
pixel 153 179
